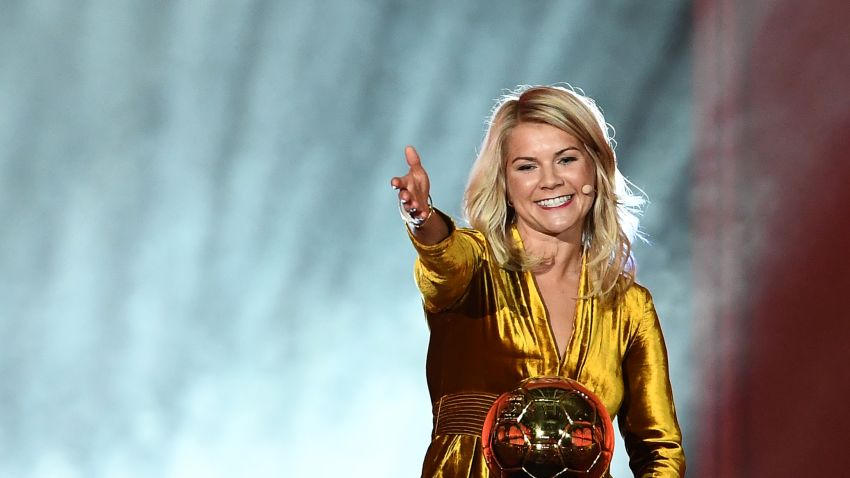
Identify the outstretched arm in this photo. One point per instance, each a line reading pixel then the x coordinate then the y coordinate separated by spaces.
pixel 448 257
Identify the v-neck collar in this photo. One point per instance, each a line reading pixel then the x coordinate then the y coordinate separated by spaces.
pixel 572 361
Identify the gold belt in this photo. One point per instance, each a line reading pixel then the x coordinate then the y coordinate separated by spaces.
pixel 462 413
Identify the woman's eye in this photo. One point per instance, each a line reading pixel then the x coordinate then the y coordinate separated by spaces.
pixel 525 167
pixel 567 159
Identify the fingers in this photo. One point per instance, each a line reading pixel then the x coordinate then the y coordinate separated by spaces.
pixel 415 164
pixel 410 201
pixel 413 187
pixel 406 186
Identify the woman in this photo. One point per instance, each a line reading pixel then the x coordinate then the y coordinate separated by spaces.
pixel 541 284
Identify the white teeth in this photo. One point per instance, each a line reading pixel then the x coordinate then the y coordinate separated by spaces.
pixel 555 202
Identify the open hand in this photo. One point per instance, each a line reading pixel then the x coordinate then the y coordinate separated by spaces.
pixel 413 188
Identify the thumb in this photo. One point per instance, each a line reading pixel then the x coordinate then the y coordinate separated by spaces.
pixel 412 157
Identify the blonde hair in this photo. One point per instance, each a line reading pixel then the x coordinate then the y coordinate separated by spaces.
pixel 612 223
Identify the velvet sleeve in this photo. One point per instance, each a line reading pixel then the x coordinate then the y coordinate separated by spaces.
pixel 444 270
pixel 647 418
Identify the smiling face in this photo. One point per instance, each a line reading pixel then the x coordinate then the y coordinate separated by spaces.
pixel 545 170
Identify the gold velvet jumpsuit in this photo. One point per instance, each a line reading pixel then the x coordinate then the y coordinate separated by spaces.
pixel 490 330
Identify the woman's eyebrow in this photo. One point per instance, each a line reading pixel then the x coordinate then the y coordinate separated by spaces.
pixel 568 148
pixel 556 153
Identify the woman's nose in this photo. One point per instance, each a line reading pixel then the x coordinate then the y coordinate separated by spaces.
pixel 550 179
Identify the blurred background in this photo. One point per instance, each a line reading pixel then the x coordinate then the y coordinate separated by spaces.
pixel 202 268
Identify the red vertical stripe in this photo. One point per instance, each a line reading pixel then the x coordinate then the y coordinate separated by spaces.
pixel 772 227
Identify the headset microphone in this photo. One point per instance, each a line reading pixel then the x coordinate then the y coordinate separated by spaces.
pixel 587 189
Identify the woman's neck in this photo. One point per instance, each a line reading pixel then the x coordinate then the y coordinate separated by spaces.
pixel 562 255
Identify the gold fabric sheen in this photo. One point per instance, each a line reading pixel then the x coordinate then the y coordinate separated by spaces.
pixel 490 330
